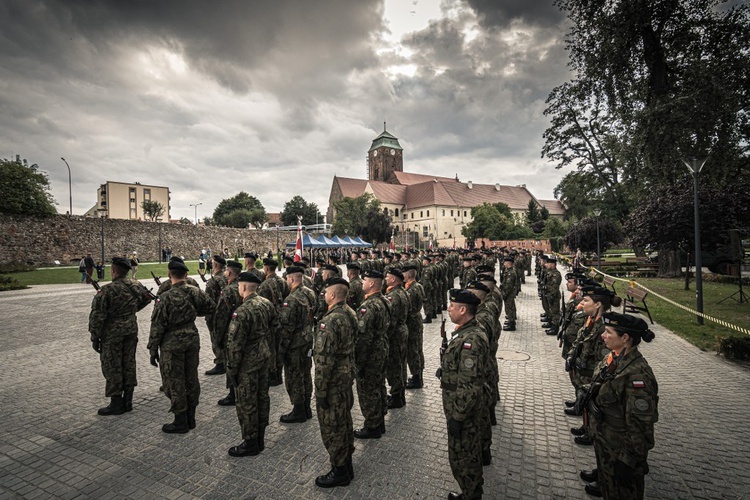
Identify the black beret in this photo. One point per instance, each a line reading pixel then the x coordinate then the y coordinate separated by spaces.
pixel 120 262
pixel 320 260
pixel 251 255
pixel 596 291
pixel 374 274
pixel 287 258
pixel 234 264
pixel 177 259
pixel 426 258
pixel 464 297
pixel 330 267
pixel 248 277
pixel 221 260
pixel 409 267
pixel 334 257
pixel 625 323
pixel 477 285
pixel 486 277
pixel 305 259
pixel 396 272
pixel 353 265
pixel 508 259
pixel 337 281
pixel 270 262
pixel 552 258
pixel 573 276
pixel 397 255
pixel 485 269
pixel 295 269
pixel 583 282
pixel 177 265
pixel 468 258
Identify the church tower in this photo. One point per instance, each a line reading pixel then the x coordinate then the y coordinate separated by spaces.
pixel 384 157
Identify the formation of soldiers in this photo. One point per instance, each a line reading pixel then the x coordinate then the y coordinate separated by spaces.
pixel 327 332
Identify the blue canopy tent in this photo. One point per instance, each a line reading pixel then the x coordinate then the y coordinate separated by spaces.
pixel 327 243
pixel 361 243
pixel 307 242
pixel 341 242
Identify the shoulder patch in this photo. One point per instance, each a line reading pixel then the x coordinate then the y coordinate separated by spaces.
pixel 322 326
pixel 638 384
pixel 158 300
pixel 234 315
pixel 363 310
pixel 469 363
pixel 285 304
pixel 467 345
pixel 641 404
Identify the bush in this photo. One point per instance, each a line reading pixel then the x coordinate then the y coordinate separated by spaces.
pixel 10 284
pixel 737 348
pixel 16 267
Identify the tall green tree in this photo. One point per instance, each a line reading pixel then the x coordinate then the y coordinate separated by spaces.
pixel 24 190
pixel 495 222
pixel 532 213
pixel 582 234
pixel 152 209
pixel 362 216
pixel 249 210
pixel 298 206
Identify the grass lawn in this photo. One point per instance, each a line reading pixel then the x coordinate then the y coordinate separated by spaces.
pixel 65 275
pixel 684 324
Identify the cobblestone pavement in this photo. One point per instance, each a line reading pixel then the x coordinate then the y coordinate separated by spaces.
pixel 53 444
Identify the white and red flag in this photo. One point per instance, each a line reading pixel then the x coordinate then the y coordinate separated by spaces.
pixel 298 247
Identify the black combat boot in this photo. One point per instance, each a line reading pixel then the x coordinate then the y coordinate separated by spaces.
pixel 368 433
pixel 116 407
pixel 578 431
pixel 415 382
pixel 455 496
pixel 382 427
pixel 129 398
pixel 219 369
pixel 570 403
pixel 584 440
pixel 337 476
pixel 229 399
pixel 395 401
pixel 593 490
pixel 273 379
pixel 493 417
pixel 486 457
pixel 511 327
pixel 547 325
pixel 308 409
pixel 573 412
pixel 551 331
pixel 297 415
pixel 590 476
pixel 191 417
pixel 179 426
pixel 261 437
pixel 428 319
pixel 350 467
pixel 247 448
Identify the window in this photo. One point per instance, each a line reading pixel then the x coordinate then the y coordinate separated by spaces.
pixel 397 212
pixel 421 214
pixel 451 213
pixel 428 213
pixel 132 190
pixel 412 215
pixel 424 231
pixel 443 213
pixel 146 194
pixel 132 200
pixel 464 213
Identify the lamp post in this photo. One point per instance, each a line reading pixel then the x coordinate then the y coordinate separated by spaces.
pixel 102 213
pixel 196 211
pixel 597 213
pixel 158 221
pixel 695 165
pixel 70 187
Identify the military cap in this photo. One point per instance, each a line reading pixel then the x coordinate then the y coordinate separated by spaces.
pixel 486 277
pixel 248 277
pixel 596 291
pixel 305 259
pixel 270 262
pixel 508 259
pixel 337 281
pixel 477 285
pixel 583 282
pixel 424 257
pixel 396 272
pixel 295 269
pixel 221 260
pixel 334 257
pixel 330 267
pixel 177 265
pixel 398 255
pixel 485 269
pixel 387 255
pixel 288 259
pixel 463 297
pixel 409 267
pixel 120 262
pixel 251 255
pixel 573 276
pixel 320 260
pixel 625 323
pixel 176 258
pixel 374 274
pixel 468 258
pixel 353 265
pixel 552 258
pixel 234 264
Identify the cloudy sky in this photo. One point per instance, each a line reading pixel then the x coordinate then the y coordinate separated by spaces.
pixel 274 97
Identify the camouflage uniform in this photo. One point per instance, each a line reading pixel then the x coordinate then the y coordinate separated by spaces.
pixel 355 297
pixel 485 318
pixel 509 291
pixel 447 284
pixel 398 335
pixel 334 368
pixel 414 353
pixel 464 368
pixel 427 285
pixel 468 274
pixel 275 290
pixel 297 312
pixel 214 286
pixel 518 267
pixel 173 332
pixel 113 323
pixel 229 300
pixel 576 320
pixel 167 284
pixel 552 295
pixel 623 425
pixel 371 354
pixel 247 355
pixel 588 350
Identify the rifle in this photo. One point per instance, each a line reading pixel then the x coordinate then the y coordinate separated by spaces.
pixel 587 403
pixel 203 277
pixel 156 279
pixel 149 293
pixel 96 286
pixel 443 345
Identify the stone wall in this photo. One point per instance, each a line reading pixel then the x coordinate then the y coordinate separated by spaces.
pixel 41 241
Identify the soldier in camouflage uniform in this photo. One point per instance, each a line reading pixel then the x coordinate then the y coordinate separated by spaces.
pixel 214 286
pixel 518 265
pixel 275 290
pixel 297 313
pixel 228 301
pixel 114 334
pixel 248 356
pixel 427 283
pixel 414 351
pixel 468 273
pixel 167 284
pixel 491 306
pixel 447 283
pixel 326 273
pixel 509 289
pixel 398 335
pixel 174 345
pixel 463 369
pixel 574 317
pixel 250 260
pixel 623 410
pixel 356 296
pixel 334 369
pixel 552 282
pixel 370 355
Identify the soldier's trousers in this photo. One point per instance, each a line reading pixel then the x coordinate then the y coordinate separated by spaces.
pixel 510 308
pixel 253 401
pixel 370 395
pixel 444 294
pixel 553 302
pixel 620 490
pixel 396 367
pixel 297 377
pixel 429 306
pixel 336 427
pixel 414 351
pixel 465 457
pixel 216 343
pixel 580 378
pixel 437 302
pixel 118 363
pixel 274 341
pixel 179 372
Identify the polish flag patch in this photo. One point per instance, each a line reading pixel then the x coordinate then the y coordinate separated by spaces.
pixel 234 315
pixel 467 345
pixel 363 310
pixel 322 326
pixel 638 384
pixel 285 304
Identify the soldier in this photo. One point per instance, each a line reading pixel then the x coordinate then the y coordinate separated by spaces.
pixel 462 377
pixel 467 272
pixel 248 356
pixel 334 260
pixel 624 409
pixel 275 290
pixel 553 278
pixel 414 352
pixel 167 284
pixel 491 306
pixel 334 369
pixel 250 260
pixel 214 286
pixel 427 285
pixel 229 300
pixel 518 265
pixel 296 318
pixel 114 334
pixel 174 345
pixel 398 335
pixel 370 355
pixel 574 317
pixel 327 272
pixel 356 296
pixel 509 289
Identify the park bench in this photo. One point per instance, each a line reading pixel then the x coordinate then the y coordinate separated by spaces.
pixel 610 282
pixel 629 304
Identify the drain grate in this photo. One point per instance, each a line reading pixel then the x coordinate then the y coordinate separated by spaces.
pixel 509 355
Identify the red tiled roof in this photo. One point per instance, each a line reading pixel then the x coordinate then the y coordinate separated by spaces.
pixel 274 218
pixel 426 194
pixel 408 178
pixel 516 197
pixel 394 194
pixel 351 188
pixel 553 206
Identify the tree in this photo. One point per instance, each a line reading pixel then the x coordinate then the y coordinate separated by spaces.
pixel 377 226
pixel 152 209
pixel 495 222
pixel 24 190
pixel 298 206
pixel 362 216
pixel 582 234
pixel 250 209
pixel 185 220
pixel 532 214
pixel 554 228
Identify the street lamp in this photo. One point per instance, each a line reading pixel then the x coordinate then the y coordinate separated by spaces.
pixel 695 165
pixel 597 213
pixel 158 222
pixel 196 211
pixel 102 213
pixel 70 187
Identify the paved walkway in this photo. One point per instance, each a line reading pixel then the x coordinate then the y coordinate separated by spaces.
pixel 52 443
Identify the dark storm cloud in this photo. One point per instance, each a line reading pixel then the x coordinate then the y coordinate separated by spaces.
pixel 500 13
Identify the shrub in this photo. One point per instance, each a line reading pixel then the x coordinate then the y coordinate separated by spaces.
pixel 737 348
pixel 10 284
